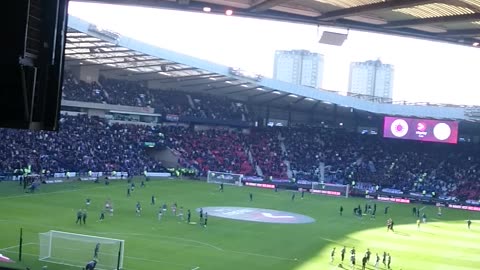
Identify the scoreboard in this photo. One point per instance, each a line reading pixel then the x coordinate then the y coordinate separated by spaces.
pixel 420 129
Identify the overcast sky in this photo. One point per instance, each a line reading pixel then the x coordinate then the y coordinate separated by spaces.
pixel 424 70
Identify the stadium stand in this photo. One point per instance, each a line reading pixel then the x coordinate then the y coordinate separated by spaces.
pixel 99 144
pixel 115 92
pixel 266 150
pixel 83 143
pixel 216 150
pixel 91 143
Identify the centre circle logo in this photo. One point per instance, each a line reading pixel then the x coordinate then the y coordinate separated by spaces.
pixel 257 215
pixel 442 131
pixel 399 128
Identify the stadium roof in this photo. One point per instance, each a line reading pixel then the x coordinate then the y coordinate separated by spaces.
pixel 452 21
pixel 128 59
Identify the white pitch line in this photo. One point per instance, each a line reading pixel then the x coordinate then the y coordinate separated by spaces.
pixel 156 261
pixel 422 208
pixel 16 246
pixel 129 257
pixel 261 255
pixel 118 233
pixel 169 237
pixel 48 193
pixel 196 268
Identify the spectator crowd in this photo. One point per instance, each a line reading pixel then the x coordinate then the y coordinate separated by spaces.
pixel 92 143
pixel 302 152
pixel 127 93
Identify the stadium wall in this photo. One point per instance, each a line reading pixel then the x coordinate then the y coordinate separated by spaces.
pixel 165 156
pixel 86 73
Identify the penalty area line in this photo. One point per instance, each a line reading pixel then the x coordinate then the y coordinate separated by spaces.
pixel 196 268
pixel 16 246
pixel 50 192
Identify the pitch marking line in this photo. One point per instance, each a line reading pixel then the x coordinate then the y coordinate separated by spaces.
pixel 168 237
pixel 129 257
pixel 209 245
pixel 49 193
pixel 196 268
pixel 16 246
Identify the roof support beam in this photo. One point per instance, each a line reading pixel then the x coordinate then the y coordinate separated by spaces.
pixel 134 73
pixel 261 94
pixel 241 90
pixel 266 5
pixel 90 47
pixel 298 100
pixel 353 11
pixel 275 98
pixel 443 20
pixel 113 62
pixel 95 53
pixel 84 39
pixel 141 66
pixel 461 33
pixel 221 87
pixel 186 78
pixel 209 82
pixel 106 57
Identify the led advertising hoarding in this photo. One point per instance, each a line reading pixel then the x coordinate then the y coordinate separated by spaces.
pixel 420 129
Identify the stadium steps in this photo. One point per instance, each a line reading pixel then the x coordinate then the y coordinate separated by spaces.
pixel 190 101
pixel 166 157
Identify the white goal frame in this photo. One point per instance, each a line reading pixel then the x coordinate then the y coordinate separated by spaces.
pixel 50 236
pixel 330 189
pixel 233 179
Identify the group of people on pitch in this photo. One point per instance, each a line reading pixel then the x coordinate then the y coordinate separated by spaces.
pixel 386 258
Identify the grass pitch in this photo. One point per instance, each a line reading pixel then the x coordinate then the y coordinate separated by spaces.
pixel 444 242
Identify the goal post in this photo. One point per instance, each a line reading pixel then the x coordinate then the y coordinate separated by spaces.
pixel 225 178
pixel 330 189
pixel 78 249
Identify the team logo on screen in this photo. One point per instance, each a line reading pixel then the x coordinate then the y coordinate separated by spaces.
pixel 442 131
pixel 421 127
pixel 399 128
pixel 421 130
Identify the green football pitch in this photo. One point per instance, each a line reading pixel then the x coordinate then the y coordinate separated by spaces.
pixel 444 242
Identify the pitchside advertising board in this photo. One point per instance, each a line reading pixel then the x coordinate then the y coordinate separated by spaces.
pixel 420 129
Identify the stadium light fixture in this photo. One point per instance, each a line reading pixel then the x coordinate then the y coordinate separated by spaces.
pixel 277 92
pixel 331 38
pixel 260 89
pixel 229 82
pixel 475 44
pixel 207 9
pixel 244 85
pixel 229 12
pixel 310 99
pixel 292 95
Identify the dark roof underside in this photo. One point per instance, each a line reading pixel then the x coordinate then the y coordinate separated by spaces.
pixel 452 21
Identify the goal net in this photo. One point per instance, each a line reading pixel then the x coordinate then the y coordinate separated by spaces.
pixel 226 178
pixel 330 189
pixel 77 250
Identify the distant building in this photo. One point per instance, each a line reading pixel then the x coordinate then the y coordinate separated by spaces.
pixel 371 78
pixel 299 67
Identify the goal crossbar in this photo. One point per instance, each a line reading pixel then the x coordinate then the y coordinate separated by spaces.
pixel 224 178
pixel 77 249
